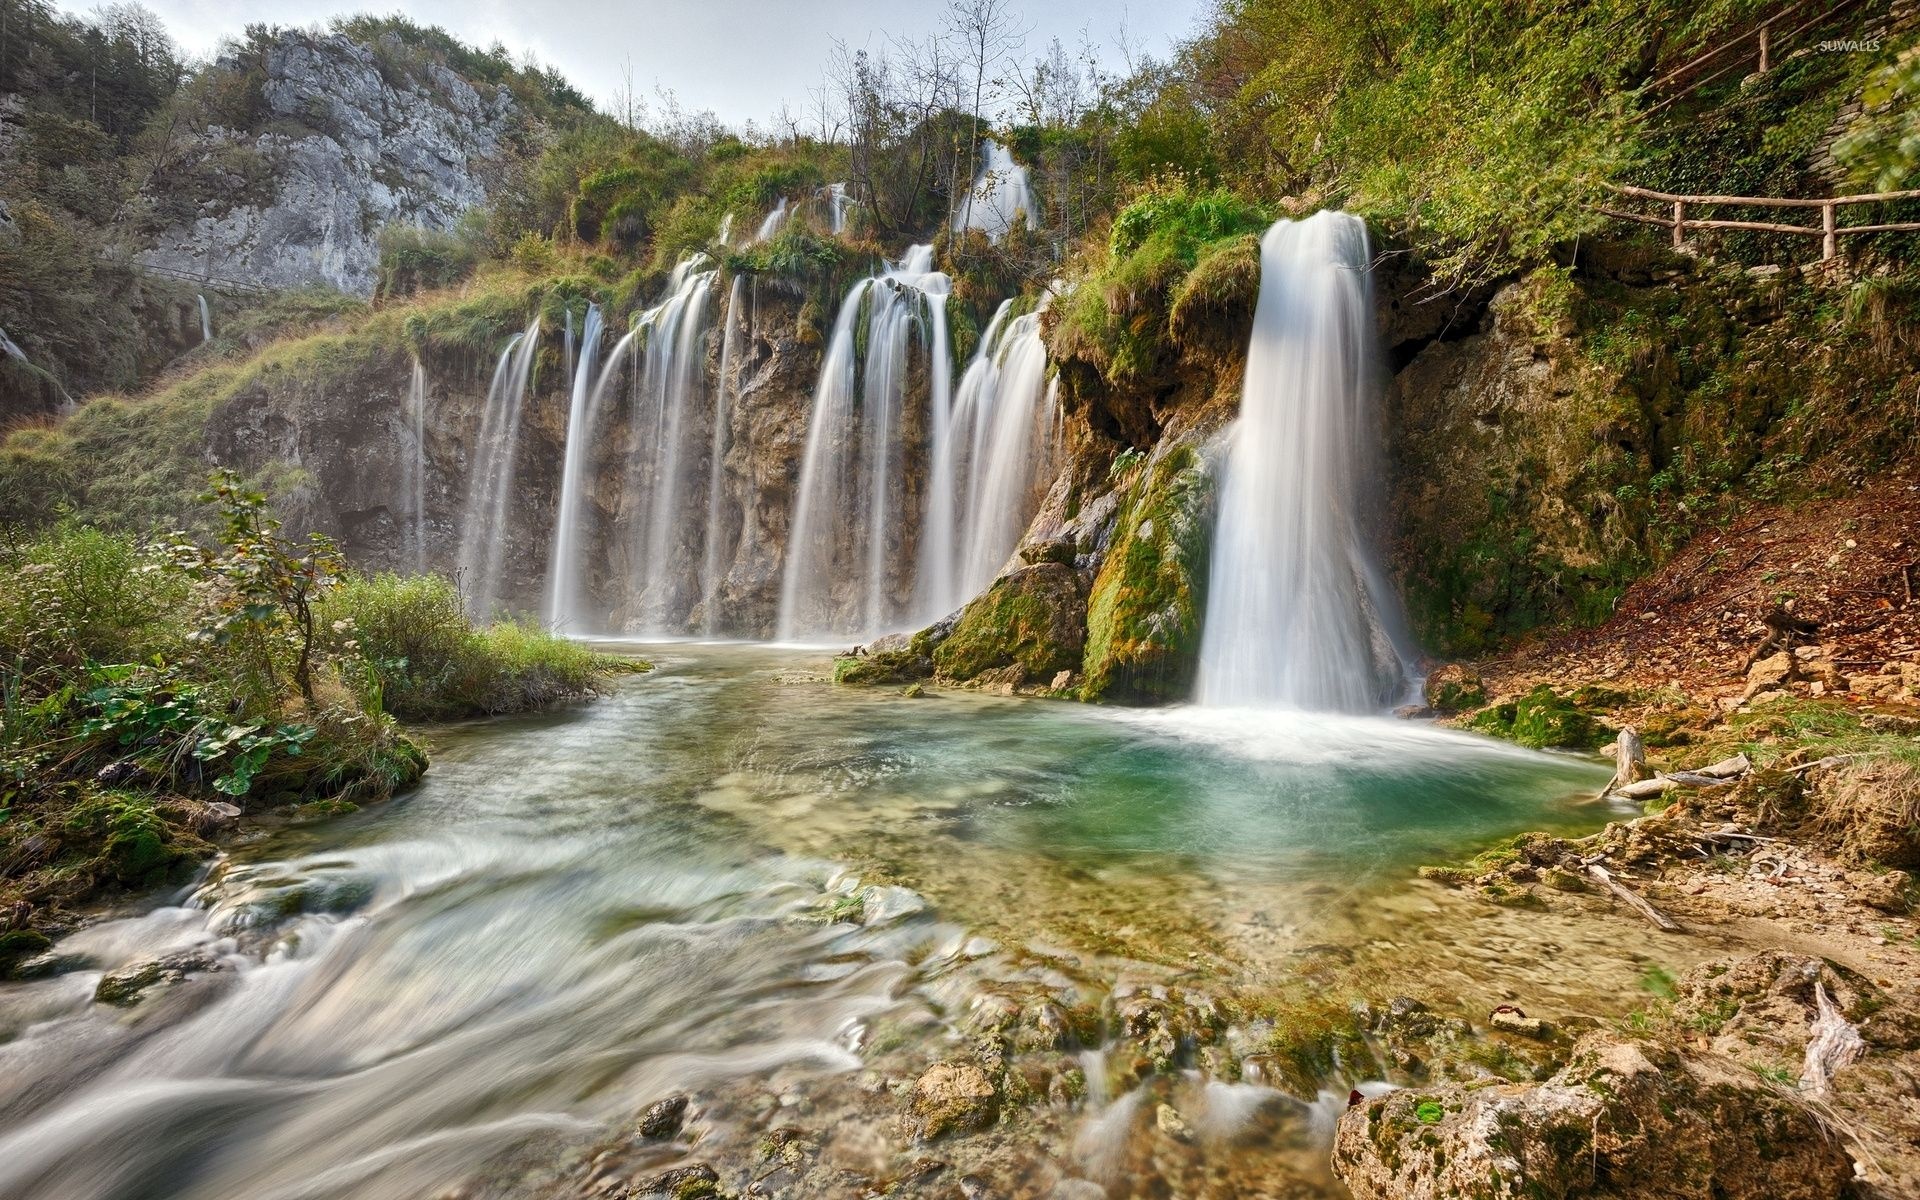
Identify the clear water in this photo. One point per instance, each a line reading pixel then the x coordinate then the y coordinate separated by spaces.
pixel 579 913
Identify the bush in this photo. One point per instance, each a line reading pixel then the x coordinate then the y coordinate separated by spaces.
pixel 414 259
pixel 428 662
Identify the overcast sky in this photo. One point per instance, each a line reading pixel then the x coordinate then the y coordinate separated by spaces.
pixel 740 58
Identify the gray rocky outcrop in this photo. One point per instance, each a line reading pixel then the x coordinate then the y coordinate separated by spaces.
pixel 349 148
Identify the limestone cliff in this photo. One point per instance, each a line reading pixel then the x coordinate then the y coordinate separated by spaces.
pixel 349 138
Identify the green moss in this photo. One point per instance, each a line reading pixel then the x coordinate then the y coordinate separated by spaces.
pixel 1030 618
pixel 882 667
pixel 1540 719
pixel 18 944
pixel 1147 603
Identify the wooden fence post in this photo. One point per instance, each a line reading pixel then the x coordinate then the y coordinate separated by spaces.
pixel 1829 238
pixel 1766 47
pixel 1679 222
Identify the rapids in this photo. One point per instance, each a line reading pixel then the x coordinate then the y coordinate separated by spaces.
pixel 577 914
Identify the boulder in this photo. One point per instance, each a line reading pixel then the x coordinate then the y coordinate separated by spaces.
pixel 954 1097
pixel 1033 618
pixel 1624 1120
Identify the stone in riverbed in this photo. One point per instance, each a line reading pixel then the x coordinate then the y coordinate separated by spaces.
pixel 954 1096
pixel 664 1118
pixel 881 904
pixel 1624 1120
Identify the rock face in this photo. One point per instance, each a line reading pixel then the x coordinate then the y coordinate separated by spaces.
pixel 355 138
pixel 1626 1120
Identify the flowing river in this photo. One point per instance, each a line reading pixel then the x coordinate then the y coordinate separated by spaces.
pixel 578 914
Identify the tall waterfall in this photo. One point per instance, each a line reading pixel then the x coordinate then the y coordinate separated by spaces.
pixel 416 473
pixel 563 567
pixel 1298 613
pixel 671 444
pixel 712 563
pixel 848 571
pixel 490 479
pixel 992 462
pixel 1001 196
pixel 206 320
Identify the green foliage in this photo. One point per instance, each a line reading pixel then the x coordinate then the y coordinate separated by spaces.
pixel 1541 719
pixel 413 258
pixel 428 661
pixel 1882 148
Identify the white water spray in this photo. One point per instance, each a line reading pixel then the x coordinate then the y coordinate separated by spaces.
pixel 1001 197
pixel 563 567
pixel 1298 613
pixel 775 221
pixel 417 466
pixel 848 569
pixel 713 561
pixel 206 321
pixel 490 478
pixel 992 463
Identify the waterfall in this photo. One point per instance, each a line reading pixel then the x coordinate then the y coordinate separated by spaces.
pixel 848 550
pixel 725 234
pixel 1001 197
pixel 774 223
pixel 836 197
pixel 206 321
pixel 416 475
pixel 991 464
pixel 712 562
pixel 566 343
pixel 1298 613
pixel 563 569
pixel 668 442
pixel 490 480
pixel 10 348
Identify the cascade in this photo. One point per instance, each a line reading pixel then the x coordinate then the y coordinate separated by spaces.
pixel 992 465
pixel 712 562
pixel 1298 613
pixel 774 222
pixel 667 413
pixel 563 567
pixel 206 320
pixel 566 343
pixel 1001 196
pixel 416 480
pixel 849 554
pixel 836 197
pixel 725 234
pixel 10 348
pixel 490 479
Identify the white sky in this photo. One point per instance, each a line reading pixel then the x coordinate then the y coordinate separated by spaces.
pixel 740 58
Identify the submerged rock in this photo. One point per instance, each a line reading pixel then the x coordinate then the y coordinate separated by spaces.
pixel 664 1117
pixel 1627 1120
pixel 954 1097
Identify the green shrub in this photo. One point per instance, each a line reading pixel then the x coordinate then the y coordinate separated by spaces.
pixel 428 662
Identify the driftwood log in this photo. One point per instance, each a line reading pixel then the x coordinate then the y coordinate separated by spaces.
pixel 1634 900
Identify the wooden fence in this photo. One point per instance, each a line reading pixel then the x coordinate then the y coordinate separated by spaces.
pixel 1829 231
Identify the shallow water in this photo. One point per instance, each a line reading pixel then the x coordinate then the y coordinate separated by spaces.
pixel 577 914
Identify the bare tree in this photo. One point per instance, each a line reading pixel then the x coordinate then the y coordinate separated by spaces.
pixel 987 32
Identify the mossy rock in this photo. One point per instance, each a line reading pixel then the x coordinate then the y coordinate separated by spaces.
pixel 1034 617
pixel 882 667
pixel 1541 719
pixel 19 944
pixel 1144 614
pixel 1452 688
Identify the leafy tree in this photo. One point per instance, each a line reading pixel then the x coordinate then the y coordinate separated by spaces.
pixel 266 585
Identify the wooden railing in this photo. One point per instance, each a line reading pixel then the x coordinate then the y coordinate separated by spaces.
pixel 206 280
pixel 1829 231
pixel 1760 44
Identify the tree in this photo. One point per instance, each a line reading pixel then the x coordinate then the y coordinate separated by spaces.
pixel 987 32
pixel 264 584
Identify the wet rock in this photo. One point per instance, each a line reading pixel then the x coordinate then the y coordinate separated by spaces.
pixel 954 1097
pixel 1625 1120
pixel 19 947
pixel 1509 1019
pixel 881 905
pixel 1453 688
pixel 882 667
pixel 664 1117
pixel 1034 618
pixel 681 1183
pixel 1168 1120
pixel 913 691
pixel 1414 712
pixel 126 987
pixel 1053 550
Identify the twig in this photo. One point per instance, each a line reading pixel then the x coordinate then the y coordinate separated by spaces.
pixel 1660 920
